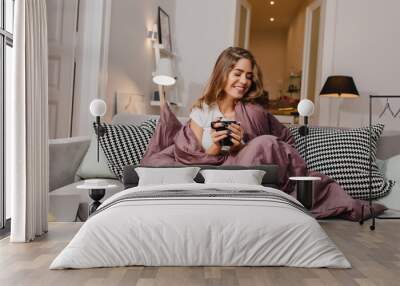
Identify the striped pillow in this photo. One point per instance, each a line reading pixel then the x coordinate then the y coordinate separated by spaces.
pixel 343 155
pixel 125 144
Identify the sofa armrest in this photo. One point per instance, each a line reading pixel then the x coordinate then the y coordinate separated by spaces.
pixel 388 145
pixel 65 156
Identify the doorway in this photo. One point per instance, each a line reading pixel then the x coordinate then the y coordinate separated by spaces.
pixel 243 22
pixel 312 54
pixel 78 52
pixel 278 41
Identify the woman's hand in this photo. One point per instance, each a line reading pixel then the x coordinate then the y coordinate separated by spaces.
pixel 217 136
pixel 236 134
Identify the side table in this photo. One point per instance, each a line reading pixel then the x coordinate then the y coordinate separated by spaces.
pixel 305 189
pixel 97 190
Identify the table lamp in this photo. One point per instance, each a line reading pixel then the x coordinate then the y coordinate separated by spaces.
pixel 163 76
pixel 98 108
pixel 340 86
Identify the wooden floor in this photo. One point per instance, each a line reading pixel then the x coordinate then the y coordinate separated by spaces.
pixel 375 257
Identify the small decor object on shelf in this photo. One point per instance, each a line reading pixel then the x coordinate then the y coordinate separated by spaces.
pixel 98 108
pixel 164 30
pixel 294 84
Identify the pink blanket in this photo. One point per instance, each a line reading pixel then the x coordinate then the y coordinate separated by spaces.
pixel 267 142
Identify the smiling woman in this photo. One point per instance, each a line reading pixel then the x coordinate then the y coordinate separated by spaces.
pixel 232 108
pixel 236 77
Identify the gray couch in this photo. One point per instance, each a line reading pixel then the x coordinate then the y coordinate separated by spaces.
pixel 67 203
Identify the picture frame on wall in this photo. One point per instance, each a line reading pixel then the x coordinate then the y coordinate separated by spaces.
pixel 164 30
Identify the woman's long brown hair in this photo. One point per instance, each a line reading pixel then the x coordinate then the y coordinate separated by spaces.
pixel 225 63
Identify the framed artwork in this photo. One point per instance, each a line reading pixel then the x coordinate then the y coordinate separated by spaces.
pixel 129 102
pixel 164 30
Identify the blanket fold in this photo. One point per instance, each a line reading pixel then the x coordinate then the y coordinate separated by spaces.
pixel 267 142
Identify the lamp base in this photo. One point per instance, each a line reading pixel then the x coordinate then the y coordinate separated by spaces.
pixel 99 130
pixel 303 130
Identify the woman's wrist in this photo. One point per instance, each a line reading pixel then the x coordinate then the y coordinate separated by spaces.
pixel 214 149
pixel 237 148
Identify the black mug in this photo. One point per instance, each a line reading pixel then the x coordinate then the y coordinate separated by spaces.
pixel 225 124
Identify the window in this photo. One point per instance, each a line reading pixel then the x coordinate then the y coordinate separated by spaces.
pixel 6 69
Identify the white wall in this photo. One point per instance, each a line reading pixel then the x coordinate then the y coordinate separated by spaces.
pixel 200 31
pixel 203 30
pixel 131 56
pixel 366 46
pixel 89 65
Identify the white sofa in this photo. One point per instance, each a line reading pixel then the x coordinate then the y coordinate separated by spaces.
pixel 67 203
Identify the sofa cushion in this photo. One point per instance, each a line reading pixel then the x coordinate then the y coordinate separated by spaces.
pixel 344 156
pixel 125 144
pixel 65 156
pixel 90 167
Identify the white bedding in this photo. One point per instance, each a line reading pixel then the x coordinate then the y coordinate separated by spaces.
pixel 200 231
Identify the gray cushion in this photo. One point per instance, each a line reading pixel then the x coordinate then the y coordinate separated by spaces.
pixel 90 168
pixel 65 156
pixel 131 179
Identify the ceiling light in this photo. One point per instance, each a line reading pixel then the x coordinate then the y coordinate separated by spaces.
pixel 272 2
pixel 271 19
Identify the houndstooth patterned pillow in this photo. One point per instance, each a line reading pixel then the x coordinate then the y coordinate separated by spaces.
pixel 125 144
pixel 343 155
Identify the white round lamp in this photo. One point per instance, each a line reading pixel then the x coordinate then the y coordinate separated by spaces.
pixel 305 107
pixel 98 107
pixel 164 75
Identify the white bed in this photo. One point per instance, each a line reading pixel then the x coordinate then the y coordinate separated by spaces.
pixel 206 230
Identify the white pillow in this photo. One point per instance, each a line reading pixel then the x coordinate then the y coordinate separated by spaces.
pixel 165 176
pixel 248 177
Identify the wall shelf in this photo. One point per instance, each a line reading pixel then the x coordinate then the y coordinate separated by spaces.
pixel 166 53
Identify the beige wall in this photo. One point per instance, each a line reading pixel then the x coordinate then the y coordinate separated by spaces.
pixel 295 41
pixel 269 48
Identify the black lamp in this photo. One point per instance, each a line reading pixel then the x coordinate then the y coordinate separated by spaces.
pixel 340 86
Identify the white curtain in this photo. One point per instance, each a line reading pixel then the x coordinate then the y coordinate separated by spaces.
pixel 26 119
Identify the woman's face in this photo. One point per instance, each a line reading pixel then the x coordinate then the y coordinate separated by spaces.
pixel 239 79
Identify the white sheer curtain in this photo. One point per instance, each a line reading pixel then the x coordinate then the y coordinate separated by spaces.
pixel 26 119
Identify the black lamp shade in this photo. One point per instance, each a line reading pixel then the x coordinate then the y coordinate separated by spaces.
pixel 340 86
